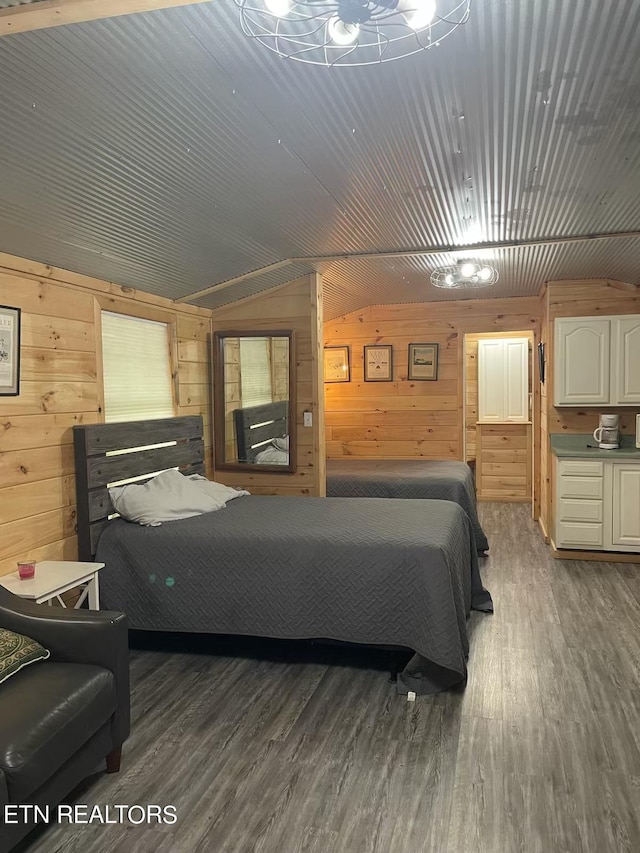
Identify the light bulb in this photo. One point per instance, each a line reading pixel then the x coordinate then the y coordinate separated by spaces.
pixel 467 270
pixel 485 273
pixel 342 33
pixel 449 279
pixel 279 8
pixel 417 13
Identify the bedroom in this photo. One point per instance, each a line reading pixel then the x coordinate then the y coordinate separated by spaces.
pixel 162 166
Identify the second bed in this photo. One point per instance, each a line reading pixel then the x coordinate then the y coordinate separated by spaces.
pixel 407 478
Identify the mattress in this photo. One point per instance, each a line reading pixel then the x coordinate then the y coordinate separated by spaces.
pixel 407 478
pixel 382 572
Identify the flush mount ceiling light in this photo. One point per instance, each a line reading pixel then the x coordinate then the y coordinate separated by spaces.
pixel 464 274
pixel 350 32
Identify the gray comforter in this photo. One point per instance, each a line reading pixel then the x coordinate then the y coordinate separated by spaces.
pixel 380 572
pixel 407 478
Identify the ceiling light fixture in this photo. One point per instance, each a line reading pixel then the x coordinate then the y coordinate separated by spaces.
pixel 350 32
pixel 464 274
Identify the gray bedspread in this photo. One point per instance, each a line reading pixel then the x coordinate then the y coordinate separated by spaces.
pixel 380 572
pixel 407 478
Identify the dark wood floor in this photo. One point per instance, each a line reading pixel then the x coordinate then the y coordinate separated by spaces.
pixel 313 751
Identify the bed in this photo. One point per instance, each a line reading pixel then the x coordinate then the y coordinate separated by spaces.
pixel 262 437
pixel 377 572
pixel 407 478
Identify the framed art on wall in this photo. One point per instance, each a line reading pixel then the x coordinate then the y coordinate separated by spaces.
pixel 336 364
pixel 9 351
pixel 378 363
pixel 423 361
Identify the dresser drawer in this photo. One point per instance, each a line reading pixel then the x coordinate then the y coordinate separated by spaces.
pixel 580 487
pixel 580 510
pixel 575 534
pixel 581 467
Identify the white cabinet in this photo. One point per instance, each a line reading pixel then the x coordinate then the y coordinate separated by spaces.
pixel 597 505
pixel 626 505
pixel 503 380
pixel 626 360
pixel 597 361
pixel 580 503
pixel 582 362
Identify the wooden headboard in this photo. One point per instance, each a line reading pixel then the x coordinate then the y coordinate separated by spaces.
pixel 95 469
pixel 274 423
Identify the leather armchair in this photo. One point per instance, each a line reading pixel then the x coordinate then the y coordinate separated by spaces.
pixel 59 718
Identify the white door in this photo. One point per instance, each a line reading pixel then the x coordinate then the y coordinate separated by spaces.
pixel 516 357
pixel 503 380
pixel 626 505
pixel 626 360
pixel 582 362
pixel 490 381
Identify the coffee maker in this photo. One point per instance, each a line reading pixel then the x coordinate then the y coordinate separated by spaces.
pixel 607 433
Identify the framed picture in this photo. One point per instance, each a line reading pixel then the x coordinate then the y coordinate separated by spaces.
pixel 336 364
pixel 541 361
pixel 378 363
pixel 423 361
pixel 9 351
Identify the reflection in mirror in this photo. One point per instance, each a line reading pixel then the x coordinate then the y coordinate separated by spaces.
pixel 253 405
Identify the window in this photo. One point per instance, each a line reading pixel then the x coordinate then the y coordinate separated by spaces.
pixel 136 369
pixel 255 370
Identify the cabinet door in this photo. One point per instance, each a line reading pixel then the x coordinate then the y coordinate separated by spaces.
pixel 626 360
pixel 491 381
pixel 582 362
pixel 516 398
pixel 503 380
pixel 626 505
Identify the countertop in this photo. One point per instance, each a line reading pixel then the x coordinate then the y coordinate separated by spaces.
pixel 575 446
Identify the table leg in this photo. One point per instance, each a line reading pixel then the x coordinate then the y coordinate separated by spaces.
pixel 94 593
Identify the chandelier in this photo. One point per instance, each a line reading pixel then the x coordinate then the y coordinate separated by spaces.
pixel 350 32
pixel 464 274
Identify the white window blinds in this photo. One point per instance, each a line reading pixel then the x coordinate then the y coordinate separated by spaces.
pixel 136 369
pixel 255 371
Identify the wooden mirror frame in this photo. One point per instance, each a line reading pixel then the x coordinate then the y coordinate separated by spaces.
pixel 219 401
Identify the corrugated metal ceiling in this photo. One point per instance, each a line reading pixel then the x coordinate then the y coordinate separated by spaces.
pixel 167 152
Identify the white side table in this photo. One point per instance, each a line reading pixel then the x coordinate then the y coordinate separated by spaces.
pixel 54 577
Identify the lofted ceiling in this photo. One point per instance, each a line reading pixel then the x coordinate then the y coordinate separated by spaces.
pixel 167 152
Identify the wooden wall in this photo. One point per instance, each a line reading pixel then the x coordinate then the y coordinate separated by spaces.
pixel 504 462
pixel 61 386
pixel 403 418
pixel 298 306
pixel 588 298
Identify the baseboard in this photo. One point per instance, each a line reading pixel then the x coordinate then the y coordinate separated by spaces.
pixel 504 499
pixel 544 530
pixel 598 556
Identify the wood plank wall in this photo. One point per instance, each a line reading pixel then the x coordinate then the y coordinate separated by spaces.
pixel 61 386
pixel 298 306
pixel 584 298
pixel 402 418
pixel 504 462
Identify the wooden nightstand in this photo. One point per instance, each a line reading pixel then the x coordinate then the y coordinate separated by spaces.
pixel 53 578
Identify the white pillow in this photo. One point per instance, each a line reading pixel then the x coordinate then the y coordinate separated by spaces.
pixel 218 491
pixel 169 497
pixel 281 443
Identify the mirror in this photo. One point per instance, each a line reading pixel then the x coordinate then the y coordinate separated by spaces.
pixel 254 400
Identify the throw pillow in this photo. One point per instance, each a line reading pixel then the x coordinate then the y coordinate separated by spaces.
pixel 18 651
